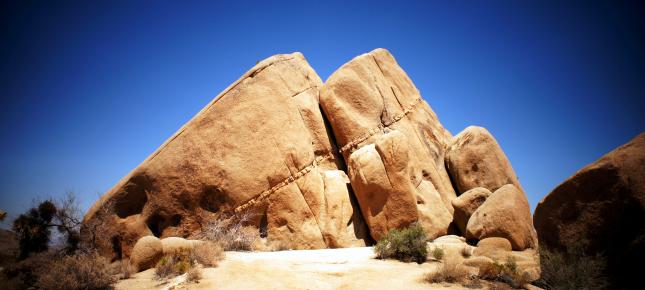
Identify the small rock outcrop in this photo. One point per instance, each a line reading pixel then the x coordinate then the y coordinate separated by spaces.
pixel 316 165
pixel 603 206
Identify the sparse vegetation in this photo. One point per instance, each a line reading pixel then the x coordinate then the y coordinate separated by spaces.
pixel 449 271
pixel 76 272
pixel 572 269
pixel 437 253
pixel 33 228
pixel 508 273
pixel 207 253
pixel 194 274
pixel 233 234
pixel 407 245
pixel 466 252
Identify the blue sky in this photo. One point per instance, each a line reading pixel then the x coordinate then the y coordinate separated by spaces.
pixel 88 90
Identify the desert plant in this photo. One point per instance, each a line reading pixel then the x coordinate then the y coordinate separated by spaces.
pixel 507 272
pixel 449 271
pixel 207 253
pixel 437 253
pixel 78 271
pixel 174 264
pixel 194 274
pixel 408 244
pixel 33 228
pixel 466 252
pixel 572 269
pixel 232 233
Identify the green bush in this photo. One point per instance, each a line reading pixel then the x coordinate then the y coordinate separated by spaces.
pixel 437 253
pixel 407 245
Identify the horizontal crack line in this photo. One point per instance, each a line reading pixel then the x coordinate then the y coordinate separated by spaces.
pixel 263 195
pixel 380 127
pixel 284 182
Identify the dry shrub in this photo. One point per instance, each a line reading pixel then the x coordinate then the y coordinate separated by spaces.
pixel 466 252
pixel 508 273
pixel 572 269
pixel 194 274
pixel 79 271
pixel 233 233
pixel 172 265
pixel 450 271
pixel 207 253
pixel 408 244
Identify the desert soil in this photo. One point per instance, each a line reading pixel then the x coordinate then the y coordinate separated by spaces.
pixel 348 268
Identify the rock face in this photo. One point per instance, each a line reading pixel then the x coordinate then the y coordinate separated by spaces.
pixel 602 204
pixel 474 159
pixel 505 214
pixel 261 147
pixel 467 203
pixel 314 165
pixel 368 101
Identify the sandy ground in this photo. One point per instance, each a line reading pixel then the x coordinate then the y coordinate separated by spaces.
pixel 349 268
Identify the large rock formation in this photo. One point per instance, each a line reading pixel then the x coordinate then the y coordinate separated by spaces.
pixel 364 100
pixel 261 147
pixel 314 165
pixel 602 205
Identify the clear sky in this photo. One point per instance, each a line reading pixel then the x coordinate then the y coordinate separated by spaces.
pixel 88 90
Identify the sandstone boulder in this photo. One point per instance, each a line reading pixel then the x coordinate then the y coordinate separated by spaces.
pixel 474 159
pixel 364 100
pixel 146 253
pixel 602 205
pixel 173 245
pixel 466 204
pixel 260 147
pixel 506 214
pixel 498 243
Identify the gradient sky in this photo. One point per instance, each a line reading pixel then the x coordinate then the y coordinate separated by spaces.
pixel 88 90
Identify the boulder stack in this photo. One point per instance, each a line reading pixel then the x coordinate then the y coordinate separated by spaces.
pixel 316 165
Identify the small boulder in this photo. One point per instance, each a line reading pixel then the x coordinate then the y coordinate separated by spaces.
pixel 146 253
pixel 173 245
pixel 506 213
pixel 490 245
pixel 466 204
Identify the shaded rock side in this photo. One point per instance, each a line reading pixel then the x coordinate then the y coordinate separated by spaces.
pixel 601 205
pixel 260 147
pixel 370 96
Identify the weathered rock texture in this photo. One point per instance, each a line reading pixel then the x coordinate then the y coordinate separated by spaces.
pixel 603 205
pixel 315 165
pixel 262 147
pixel 367 100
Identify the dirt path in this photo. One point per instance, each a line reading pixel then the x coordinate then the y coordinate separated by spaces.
pixel 350 268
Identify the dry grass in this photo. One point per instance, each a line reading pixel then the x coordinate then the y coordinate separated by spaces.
pixel 466 252
pixel 173 265
pixel 508 273
pixel 450 271
pixel 208 254
pixel 194 274
pixel 233 233
pixel 572 269
pixel 79 271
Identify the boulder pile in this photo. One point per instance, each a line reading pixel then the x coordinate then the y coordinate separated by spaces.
pixel 317 165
